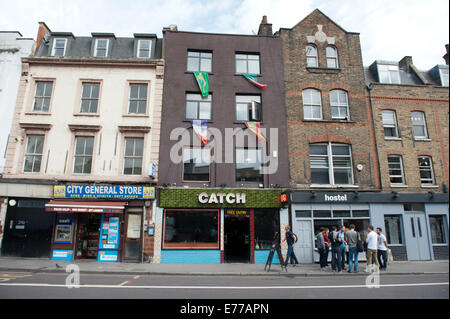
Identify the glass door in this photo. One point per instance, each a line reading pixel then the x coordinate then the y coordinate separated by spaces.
pixel 132 247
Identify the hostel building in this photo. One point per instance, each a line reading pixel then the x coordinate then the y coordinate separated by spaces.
pixel 219 193
pixel 80 170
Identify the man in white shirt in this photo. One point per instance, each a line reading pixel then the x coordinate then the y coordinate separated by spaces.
pixel 372 245
pixel 381 249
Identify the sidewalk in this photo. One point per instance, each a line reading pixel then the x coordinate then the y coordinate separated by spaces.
pixel 47 265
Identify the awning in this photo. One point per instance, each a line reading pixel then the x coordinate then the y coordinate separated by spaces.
pixel 84 206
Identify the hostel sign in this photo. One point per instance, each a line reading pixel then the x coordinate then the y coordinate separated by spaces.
pixel 103 191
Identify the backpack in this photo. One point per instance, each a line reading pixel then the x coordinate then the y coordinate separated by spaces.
pixel 294 237
pixel 359 244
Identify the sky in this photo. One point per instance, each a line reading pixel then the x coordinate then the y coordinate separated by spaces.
pixel 389 29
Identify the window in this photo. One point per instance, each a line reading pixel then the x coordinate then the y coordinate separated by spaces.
pixel 138 99
pixel 248 108
pixel 198 107
pixel 389 123
pixel 414 207
pixel 89 97
pixel 187 229
pixel 312 60
pixel 393 227
pixel 134 148
pixel 332 57
pixel 248 165
pixel 84 149
pixel 330 164
pixel 144 48
pixel 388 74
pixel 59 47
pixel 199 61
pixel 267 223
pixel 437 227
pixel 247 63
pixel 419 125
pixel 426 170
pixel 339 104
pixel 101 47
pixel 42 96
pixel 196 163
pixel 33 153
pixel 444 76
pixel 396 169
pixel 312 104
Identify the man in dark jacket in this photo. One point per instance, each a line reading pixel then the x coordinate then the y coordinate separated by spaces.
pixel 336 249
pixel 290 238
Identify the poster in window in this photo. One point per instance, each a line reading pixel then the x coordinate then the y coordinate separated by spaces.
pixel 134 226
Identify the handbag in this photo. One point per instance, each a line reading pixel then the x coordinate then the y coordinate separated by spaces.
pixel 390 258
pixel 359 245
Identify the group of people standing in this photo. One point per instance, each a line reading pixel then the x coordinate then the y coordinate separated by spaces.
pixel 346 244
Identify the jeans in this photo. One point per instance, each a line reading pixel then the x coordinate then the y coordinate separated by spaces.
pixel 323 254
pixel 382 255
pixel 336 257
pixel 290 253
pixel 352 254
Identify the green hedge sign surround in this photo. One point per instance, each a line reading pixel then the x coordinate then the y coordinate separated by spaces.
pixel 217 198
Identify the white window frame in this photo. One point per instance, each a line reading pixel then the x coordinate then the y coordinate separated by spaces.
pixel 133 156
pixel 444 78
pixel 330 165
pixel 340 104
pixel 33 154
pixel 312 105
pixel 96 46
pixel 390 70
pixel 315 56
pixel 139 48
pixel 54 46
pixel 84 155
pixel 424 124
pixel 432 181
pixel 332 58
pixel 247 57
pixel 388 125
pixel 403 183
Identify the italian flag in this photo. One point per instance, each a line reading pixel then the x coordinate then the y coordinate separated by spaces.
pixel 255 127
pixel 253 79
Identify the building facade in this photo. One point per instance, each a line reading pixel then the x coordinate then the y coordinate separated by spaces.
pixel 411 116
pixel 83 148
pixel 219 197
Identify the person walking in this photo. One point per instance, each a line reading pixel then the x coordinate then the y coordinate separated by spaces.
pixel 290 238
pixel 343 246
pixel 326 231
pixel 372 245
pixel 352 241
pixel 321 248
pixel 336 250
pixel 381 249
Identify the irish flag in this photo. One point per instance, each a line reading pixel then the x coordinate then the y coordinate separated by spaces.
pixel 253 79
pixel 255 127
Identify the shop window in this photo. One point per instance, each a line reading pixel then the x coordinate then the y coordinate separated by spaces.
pixel 437 227
pixel 248 108
pixel 321 213
pixel 360 213
pixel 248 165
pixel 267 223
pixel 426 170
pixel 196 163
pixel 190 229
pixel 199 61
pixel 64 229
pixel 360 225
pixel 341 213
pixel 414 207
pixel 198 107
pixel 33 153
pixel 247 63
pixel 303 213
pixel 393 229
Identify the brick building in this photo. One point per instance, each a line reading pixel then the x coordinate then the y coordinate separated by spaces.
pixel 411 116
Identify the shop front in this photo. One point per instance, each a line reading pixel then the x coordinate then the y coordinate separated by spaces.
pixel 415 225
pixel 103 223
pixel 217 225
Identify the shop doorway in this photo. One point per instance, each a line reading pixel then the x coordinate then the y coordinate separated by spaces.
pixel 88 234
pixel 237 237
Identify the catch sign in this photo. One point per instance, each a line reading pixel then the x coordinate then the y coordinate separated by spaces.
pixel 103 191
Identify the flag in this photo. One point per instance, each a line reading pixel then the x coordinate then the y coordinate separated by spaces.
pixel 202 81
pixel 254 80
pixel 255 127
pixel 201 129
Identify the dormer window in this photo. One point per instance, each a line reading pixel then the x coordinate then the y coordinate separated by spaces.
pixel 101 47
pixel 144 48
pixel 59 47
pixel 444 76
pixel 388 74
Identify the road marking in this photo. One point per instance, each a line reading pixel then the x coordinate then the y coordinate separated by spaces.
pixel 7 277
pixel 223 287
pixel 124 283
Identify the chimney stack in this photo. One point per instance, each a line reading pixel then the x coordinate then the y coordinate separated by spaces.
pixel 265 29
pixel 406 62
pixel 446 54
pixel 42 32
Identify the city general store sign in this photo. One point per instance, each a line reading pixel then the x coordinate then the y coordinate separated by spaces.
pixel 103 191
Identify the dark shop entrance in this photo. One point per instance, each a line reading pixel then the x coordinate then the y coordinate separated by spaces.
pixel 28 228
pixel 237 236
pixel 88 234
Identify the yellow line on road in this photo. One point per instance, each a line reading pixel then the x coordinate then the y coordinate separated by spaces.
pixel 124 283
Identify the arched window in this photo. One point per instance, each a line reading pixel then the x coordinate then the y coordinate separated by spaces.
pixel 339 105
pixel 332 57
pixel 312 104
pixel 311 56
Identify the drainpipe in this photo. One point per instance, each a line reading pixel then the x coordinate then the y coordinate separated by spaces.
pixel 369 89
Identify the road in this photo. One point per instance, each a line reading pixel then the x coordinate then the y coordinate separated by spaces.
pixel 18 285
